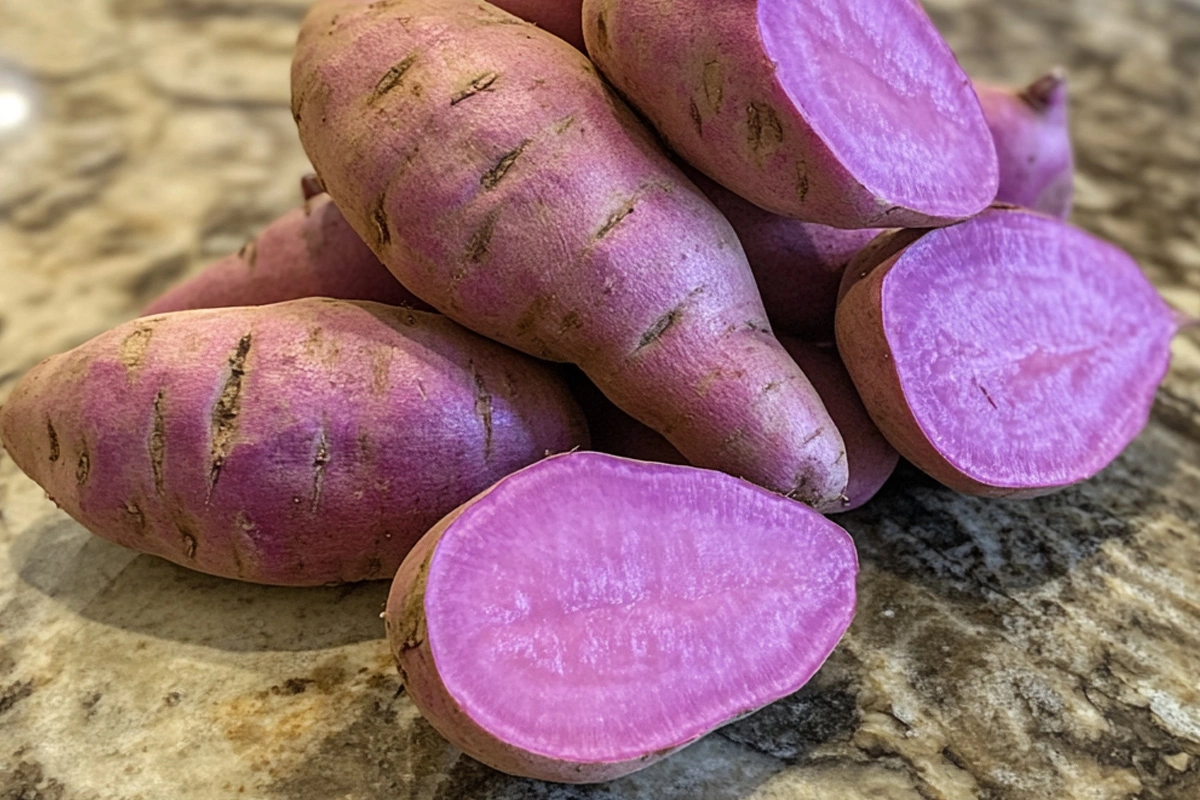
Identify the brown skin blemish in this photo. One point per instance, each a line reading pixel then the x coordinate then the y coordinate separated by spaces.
pixel 615 218
pixel 564 124
pixel 696 120
pixel 224 419
pixel 494 175
pixel 714 85
pixel 765 132
pixel 383 233
pixel 572 321
pixel 802 184
pixel 158 443
pixel 483 409
pixel 411 625
pixel 481 240
pixel 812 437
pixel 660 327
pixel 55 451
pixel 139 517
pixel 393 78
pixel 320 461
pixel 480 83
pixel 249 253
pixel 83 469
pixel 132 351
pixel 601 31
pixel 189 544
pixel 532 315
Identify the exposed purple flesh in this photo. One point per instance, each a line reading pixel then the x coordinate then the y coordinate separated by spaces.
pixel 884 93
pixel 597 610
pixel 1025 353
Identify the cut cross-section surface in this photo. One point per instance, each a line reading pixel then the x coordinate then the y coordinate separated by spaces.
pixel 883 92
pixel 1009 355
pixel 589 615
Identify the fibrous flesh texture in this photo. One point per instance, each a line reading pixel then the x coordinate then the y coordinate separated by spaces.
pixel 851 113
pixel 1009 355
pixel 588 615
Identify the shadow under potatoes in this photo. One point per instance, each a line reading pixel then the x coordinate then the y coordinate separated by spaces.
pixel 148 595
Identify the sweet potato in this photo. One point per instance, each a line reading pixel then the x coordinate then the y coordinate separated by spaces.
pixel 302 443
pixel 1033 143
pixel 491 169
pixel 851 113
pixel 797 265
pixel 308 252
pixel 589 615
pixel 563 18
pixel 1009 355
pixel 869 457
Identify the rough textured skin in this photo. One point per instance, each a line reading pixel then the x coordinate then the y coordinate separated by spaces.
pixel 302 443
pixel 1058 384
pixel 797 265
pixel 872 459
pixel 563 18
pixel 490 168
pixel 703 73
pixel 308 252
pixel 1033 143
pixel 414 631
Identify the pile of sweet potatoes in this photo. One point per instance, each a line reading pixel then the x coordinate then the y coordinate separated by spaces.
pixel 377 386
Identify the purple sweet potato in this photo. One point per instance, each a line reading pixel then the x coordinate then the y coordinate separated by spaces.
pixel 869 456
pixel 1009 355
pixel 850 113
pixel 797 265
pixel 491 169
pixel 302 443
pixel 308 252
pixel 589 615
pixel 563 18
pixel 1033 143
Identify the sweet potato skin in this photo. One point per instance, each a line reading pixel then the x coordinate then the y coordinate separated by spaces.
pixel 302 443
pixel 464 179
pixel 308 252
pixel 797 265
pixel 563 18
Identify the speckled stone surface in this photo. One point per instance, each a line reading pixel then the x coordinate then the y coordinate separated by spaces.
pixel 1044 649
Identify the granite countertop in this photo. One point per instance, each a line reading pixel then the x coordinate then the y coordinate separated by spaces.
pixel 1034 649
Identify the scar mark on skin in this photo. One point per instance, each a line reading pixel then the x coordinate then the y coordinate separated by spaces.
pixel 224 419
pixel 55 452
pixel 494 175
pixel 393 77
pixel 158 443
pixel 479 84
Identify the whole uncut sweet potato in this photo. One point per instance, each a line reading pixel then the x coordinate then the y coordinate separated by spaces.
pixel 851 113
pixel 308 252
pixel 492 170
pixel 302 443
pixel 1033 143
pixel 1009 355
pixel 797 265
pixel 589 615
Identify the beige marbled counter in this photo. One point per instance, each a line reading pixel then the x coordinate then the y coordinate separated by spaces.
pixel 1044 649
